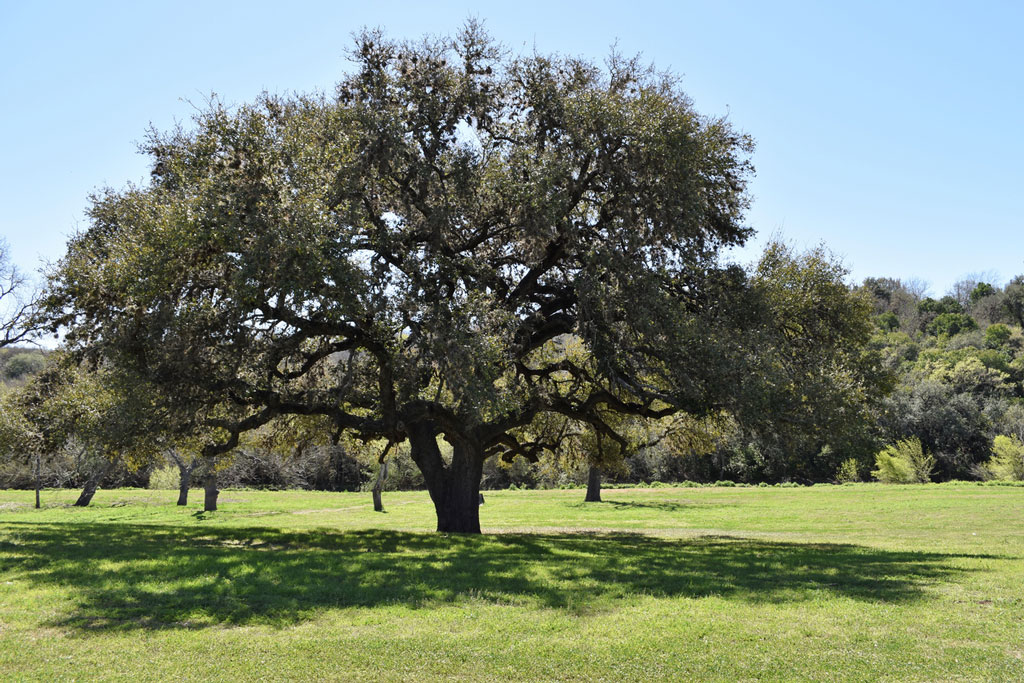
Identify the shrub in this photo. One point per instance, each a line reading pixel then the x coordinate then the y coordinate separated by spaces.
pixel 166 478
pixel 982 290
pixel 888 321
pixel 23 364
pixel 950 324
pixel 848 471
pixel 905 462
pixel 1007 458
pixel 997 335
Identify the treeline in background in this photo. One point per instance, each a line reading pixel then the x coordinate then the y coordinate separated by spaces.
pixel 955 411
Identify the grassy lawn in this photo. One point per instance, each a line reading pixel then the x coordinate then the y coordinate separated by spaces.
pixel 857 582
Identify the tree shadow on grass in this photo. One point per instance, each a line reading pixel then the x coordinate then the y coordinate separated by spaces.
pixel 123 577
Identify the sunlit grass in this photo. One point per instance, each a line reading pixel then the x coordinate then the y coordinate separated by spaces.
pixel 853 582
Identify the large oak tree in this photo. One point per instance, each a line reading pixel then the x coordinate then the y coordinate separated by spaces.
pixel 408 257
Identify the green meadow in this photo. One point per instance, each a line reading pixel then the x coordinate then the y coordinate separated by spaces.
pixel 857 582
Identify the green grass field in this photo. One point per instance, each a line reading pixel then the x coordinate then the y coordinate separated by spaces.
pixel 859 582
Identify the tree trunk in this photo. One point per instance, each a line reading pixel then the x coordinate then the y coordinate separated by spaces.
pixel 85 497
pixel 460 511
pixel 38 479
pixel 593 485
pixel 378 486
pixel 183 484
pixel 454 488
pixel 92 484
pixel 210 486
pixel 184 474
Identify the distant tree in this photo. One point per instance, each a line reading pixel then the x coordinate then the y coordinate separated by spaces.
pixel 888 321
pixel 980 291
pixel 18 437
pixel 15 305
pixel 816 381
pixel 972 376
pixel 997 335
pixel 984 303
pixel 882 290
pixel 19 365
pixel 972 288
pixel 946 304
pixel 898 297
pixel 896 349
pixel 990 309
pixel 998 360
pixel 106 420
pixel 1013 300
pixel 1010 420
pixel 601 455
pixel 950 324
pixel 928 309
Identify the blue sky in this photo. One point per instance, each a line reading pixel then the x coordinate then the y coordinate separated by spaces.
pixel 891 132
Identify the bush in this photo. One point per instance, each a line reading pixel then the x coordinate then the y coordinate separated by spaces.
pixel 904 462
pixel 950 324
pixel 848 471
pixel 997 335
pixel 1007 458
pixel 23 364
pixel 888 321
pixel 166 478
pixel 322 468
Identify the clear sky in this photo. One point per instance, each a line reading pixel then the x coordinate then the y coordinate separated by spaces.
pixel 890 131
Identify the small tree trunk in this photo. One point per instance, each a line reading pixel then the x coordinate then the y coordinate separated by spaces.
pixel 183 484
pixel 184 474
pixel 378 486
pixel 593 485
pixel 92 484
pixel 85 497
pixel 211 492
pixel 454 488
pixel 39 484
